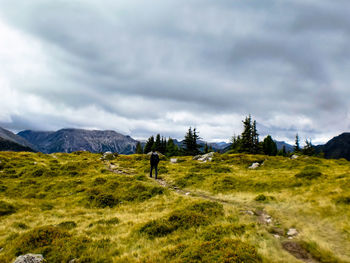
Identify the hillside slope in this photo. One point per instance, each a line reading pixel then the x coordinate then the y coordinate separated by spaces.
pixel 338 147
pixel 220 211
pixel 70 140
pixel 12 142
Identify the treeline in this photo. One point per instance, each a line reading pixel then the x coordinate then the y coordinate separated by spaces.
pixel 248 142
pixel 168 147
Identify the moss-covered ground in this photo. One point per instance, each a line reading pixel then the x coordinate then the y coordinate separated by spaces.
pixel 79 206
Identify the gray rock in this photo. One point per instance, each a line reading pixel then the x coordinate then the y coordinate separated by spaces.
pixel 208 157
pixel 173 160
pixel 294 156
pixel 254 166
pixel 30 258
pixel 292 232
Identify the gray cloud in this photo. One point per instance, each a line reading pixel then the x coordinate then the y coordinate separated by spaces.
pixel 140 67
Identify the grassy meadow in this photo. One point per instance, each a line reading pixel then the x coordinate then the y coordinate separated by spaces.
pixel 79 206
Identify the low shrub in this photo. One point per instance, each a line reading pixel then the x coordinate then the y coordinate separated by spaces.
pixel 227 250
pixel 20 225
pixel 264 198
pixel 6 208
pixel 99 181
pixel 3 188
pixel 344 200
pixel 190 179
pixel 38 172
pixel 222 169
pixel 46 206
pixel 217 232
pixel 309 172
pixel 157 228
pixel 198 214
pixel 50 241
pixel 112 221
pixel 104 200
pixel 67 225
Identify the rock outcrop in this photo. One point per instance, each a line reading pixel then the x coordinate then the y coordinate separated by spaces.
pixel 30 258
pixel 208 157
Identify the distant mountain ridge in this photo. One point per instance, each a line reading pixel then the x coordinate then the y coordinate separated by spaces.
pixel 70 140
pixel 336 148
pixel 12 142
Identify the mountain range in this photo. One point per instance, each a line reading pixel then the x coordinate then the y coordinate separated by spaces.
pixel 70 140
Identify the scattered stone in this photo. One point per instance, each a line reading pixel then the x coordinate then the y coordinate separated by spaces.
pixel 205 157
pixel 73 260
pixel 35 163
pixel 294 156
pixel 254 166
pixel 263 217
pixel 277 231
pixel 292 232
pixel 173 160
pixel 1 249
pixel 249 212
pixel 112 166
pixel 188 193
pixel 277 236
pixel 30 258
pixel 109 156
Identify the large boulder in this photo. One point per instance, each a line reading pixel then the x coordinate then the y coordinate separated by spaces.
pixel 30 258
pixel 254 166
pixel 205 157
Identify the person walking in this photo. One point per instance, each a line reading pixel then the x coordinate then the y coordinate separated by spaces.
pixel 154 163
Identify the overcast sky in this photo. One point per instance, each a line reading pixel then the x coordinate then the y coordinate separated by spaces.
pixel 159 66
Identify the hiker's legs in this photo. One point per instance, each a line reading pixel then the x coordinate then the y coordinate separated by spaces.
pixel 150 174
pixel 156 169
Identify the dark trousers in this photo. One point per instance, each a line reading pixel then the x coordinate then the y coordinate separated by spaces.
pixel 155 166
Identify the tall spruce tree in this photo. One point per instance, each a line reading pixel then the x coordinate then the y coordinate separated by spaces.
pixel 206 148
pixel 308 148
pixel 158 144
pixel 150 145
pixel 296 145
pixel 246 137
pixel 248 141
pixel 171 148
pixel 255 139
pixel 139 148
pixel 190 142
pixel 269 146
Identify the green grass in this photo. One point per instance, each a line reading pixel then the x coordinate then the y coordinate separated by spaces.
pixel 75 203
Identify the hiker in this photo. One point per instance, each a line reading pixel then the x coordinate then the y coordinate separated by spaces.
pixel 154 163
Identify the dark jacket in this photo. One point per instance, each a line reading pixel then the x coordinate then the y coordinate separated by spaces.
pixel 154 158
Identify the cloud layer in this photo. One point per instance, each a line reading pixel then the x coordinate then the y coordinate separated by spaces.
pixel 143 67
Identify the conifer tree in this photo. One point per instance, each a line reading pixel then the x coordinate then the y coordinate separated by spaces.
pixel 149 145
pixel 246 137
pixel 171 148
pixel 248 141
pixel 269 146
pixel 255 139
pixel 139 148
pixel 308 148
pixel 297 145
pixel 158 144
pixel 206 148
pixel 190 142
